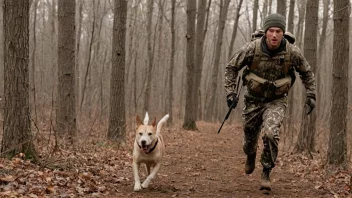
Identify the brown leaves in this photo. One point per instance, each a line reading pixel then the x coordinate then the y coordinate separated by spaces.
pixel 65 173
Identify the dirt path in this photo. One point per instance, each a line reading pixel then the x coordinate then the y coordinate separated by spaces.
pixel 207 164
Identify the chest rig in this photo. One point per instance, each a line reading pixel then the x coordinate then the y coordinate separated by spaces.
pixel 269 77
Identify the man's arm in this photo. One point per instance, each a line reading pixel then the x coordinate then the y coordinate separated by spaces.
pixel 240 59
pixel 306 74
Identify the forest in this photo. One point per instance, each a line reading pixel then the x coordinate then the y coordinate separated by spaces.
pixel 74 75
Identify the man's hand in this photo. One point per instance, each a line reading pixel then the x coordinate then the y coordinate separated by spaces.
pixel 232 99
pixel 310 104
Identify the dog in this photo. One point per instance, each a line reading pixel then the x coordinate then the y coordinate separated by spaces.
pixel 148 149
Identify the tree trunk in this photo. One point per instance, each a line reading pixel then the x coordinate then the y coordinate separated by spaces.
pixel 78 45
pixel 281 7
pixel 255 15
pixel 322 103
pixel 66 103
pixel 224 5
pixel 289 118
pixel 147 94
pixel 172 63
pixel 17 137
pixel 199 53
pixel 337 150
pixel 291 14
pixel 117 119
pixel 189 122
pixel 234 30
pixel 33 78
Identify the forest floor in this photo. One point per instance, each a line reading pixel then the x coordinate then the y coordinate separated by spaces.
pixel 199 163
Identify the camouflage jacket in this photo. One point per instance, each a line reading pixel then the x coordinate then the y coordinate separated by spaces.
pixel 269 66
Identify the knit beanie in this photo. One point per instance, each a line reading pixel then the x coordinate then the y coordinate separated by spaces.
pixel 275 20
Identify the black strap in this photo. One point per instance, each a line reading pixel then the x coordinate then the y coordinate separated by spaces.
pixel 152 149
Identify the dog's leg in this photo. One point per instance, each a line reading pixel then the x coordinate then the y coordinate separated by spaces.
pixel 147 169
pixel 137 181
pixel 151 176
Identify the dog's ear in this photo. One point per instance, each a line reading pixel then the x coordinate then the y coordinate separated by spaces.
pixel 154 122
pixel 138 120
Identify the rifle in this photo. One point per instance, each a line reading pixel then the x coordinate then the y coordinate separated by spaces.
pixel 237 93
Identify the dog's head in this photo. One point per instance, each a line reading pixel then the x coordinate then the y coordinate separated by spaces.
pixel 145 134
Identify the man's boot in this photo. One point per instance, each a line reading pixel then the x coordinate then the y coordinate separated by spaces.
pixel 250 163
pixel 265 180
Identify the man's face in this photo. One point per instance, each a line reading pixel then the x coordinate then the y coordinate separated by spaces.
pixel 274 37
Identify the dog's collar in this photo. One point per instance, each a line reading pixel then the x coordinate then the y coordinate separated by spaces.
pixel 152 149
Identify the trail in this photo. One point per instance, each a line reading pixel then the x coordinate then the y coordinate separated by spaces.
pixel 204 163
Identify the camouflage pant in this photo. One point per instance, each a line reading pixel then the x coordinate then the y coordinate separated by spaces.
pixel 262 117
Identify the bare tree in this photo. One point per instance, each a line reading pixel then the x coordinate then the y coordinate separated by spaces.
pixel 224 5
pixel 172 63
pixel 290 112
pixel 66 100
pixel 322 39
pixel 281 7
pixel 199 53
pixel 17 135
pixel 33 87
pixel 301 16
pixel 291 14
pixel 235 27
pixel 148 89
pixel 255 15
pixel 337 150
pixel 189 122
pixel 306 137
pixel 117 118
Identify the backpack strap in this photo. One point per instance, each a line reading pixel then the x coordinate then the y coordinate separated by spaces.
pixel 287 62
pixel 257 55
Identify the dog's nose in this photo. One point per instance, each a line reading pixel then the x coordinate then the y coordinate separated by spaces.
pixel 143 142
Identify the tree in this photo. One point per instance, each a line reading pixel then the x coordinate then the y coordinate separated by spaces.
pixel 281 7
pixel 150 51
pixel 66 100
pixel 199 53
pixel 306 137
pixel 117 118
pixel 224 5
pixel 189 122
pixel 17 137
pixel 290 111
pixel 172 63
pixel 321 106
pixel 255 15
pixel 235 27
pixel 291 14
pixel 337 150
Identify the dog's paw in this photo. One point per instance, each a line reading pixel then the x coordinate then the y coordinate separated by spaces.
pixel 137 187
pixel 145 184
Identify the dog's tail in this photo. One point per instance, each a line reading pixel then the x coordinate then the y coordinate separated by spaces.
pixel 161 123
pixel 146 119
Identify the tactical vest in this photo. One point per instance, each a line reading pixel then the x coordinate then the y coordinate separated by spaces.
pixel 269 88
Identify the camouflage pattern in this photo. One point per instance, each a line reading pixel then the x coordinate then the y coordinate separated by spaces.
pixel 270 68
pixel 263 118
pixel 263 113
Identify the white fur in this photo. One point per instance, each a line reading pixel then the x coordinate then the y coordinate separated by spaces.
pixel 146 119
pixel 153 159
pixel 161 123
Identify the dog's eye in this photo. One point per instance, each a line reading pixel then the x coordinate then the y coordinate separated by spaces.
pixel 140 134
pixel 150 134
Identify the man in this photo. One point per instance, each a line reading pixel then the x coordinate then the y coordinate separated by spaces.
pixel 268 78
